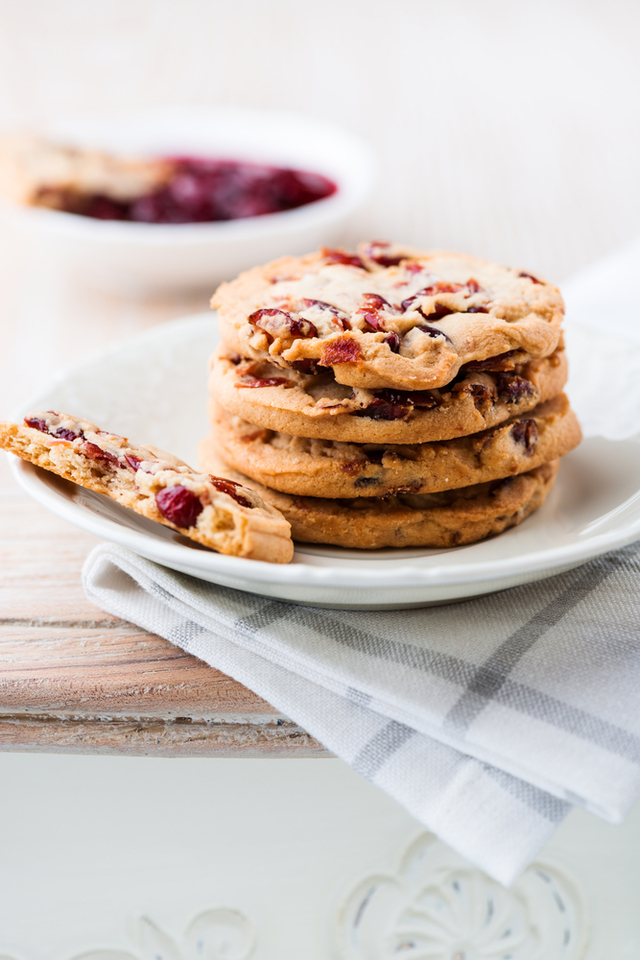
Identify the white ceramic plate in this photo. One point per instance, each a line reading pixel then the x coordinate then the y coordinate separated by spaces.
pixel 153 389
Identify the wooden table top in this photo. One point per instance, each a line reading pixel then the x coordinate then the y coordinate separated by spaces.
pixel 75 679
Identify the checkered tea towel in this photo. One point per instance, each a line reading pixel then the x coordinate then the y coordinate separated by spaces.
pixel 487 719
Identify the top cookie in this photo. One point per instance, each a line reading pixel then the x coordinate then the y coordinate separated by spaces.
pixel 387 316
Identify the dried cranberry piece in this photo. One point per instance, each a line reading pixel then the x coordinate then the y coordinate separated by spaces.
pixel 422 399
pixel 441 286
pixel 434 332
pixel 407 304
pixel 414 398
pixel 393 340
pixel 436 288
pixel 132 461
pixel 479 308
pixel 94 452
pixel 307 365
pixel 271 321
pixel 340 317
pixel 370 310
pixel 388 261
pixel 480 394
pixel 531 277
pixel 473 286
pixel 412 266
pixel 512 388
pixel 307 302
pixel 352 467
pixel 278 323
pixel 179 505
pixel 373 301
pixel 525 432
pixel 341 256
pixel 267 382
pixel 36 424
pixel 68 434
pixel 373 321
pixel 439 311
pixel 303 329
pixel 343 350
pixel 503 361
pixel 375 251
pixel 381 409
pixel 230 487
pixel 397 404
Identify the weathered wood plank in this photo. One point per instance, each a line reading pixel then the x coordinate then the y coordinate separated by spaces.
pixel 73 678
pixel 143 737
pixel 120 672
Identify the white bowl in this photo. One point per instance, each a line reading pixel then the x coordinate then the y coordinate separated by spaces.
pixel 144 258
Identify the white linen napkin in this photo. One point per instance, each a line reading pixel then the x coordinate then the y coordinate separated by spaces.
pixel 487 719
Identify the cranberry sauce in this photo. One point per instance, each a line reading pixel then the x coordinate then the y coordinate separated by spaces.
pixel 202 191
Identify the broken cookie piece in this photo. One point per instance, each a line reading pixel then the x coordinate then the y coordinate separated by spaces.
pixel 214 511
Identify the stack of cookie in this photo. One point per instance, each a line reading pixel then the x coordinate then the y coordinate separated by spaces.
pixel 391 397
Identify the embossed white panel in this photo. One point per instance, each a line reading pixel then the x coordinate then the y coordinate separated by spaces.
pixel 437 907
pixel 110 858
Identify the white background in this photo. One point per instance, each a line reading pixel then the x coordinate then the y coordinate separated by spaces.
pixel 505 128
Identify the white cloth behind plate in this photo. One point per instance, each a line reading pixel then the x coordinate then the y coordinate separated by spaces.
pixel 486 719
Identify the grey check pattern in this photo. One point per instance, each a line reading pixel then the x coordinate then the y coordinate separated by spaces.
pixel 509 708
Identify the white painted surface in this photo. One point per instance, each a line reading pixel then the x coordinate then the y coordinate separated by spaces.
pixel 89 845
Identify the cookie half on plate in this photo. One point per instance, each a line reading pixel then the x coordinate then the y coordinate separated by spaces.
pixel 214 511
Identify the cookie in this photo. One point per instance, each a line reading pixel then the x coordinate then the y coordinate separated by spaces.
pixel 214 511
pixel 440 520
pixel 316 406
pixel 41 173
pixel 329 468
pixel 387 317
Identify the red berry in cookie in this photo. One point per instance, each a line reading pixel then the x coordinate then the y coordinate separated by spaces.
pixel 342 257
pixel 179 505
pixel 231 488
pixel 340 351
